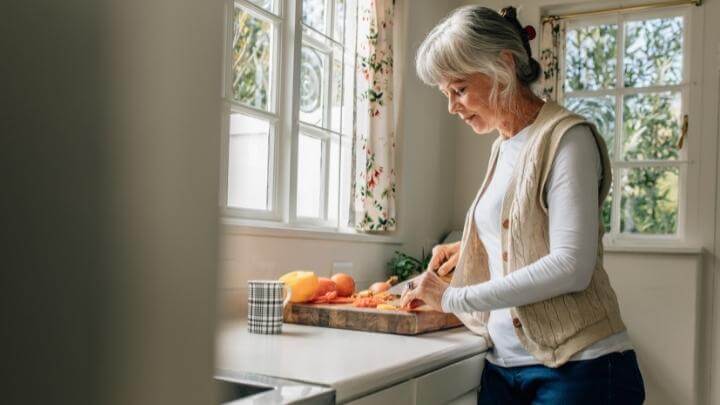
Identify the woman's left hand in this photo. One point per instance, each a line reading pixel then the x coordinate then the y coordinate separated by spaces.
pixel 429 287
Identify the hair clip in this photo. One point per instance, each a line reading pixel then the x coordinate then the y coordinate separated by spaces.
pixel 529 31
pixel 509 13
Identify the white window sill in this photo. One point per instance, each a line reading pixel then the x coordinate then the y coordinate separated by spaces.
pixel 655 249
pixel 235 226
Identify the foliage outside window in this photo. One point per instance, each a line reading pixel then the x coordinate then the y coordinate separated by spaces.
pixel 627 75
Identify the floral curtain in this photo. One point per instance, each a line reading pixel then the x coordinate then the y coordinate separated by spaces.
pixel 374 182
pixel 552 48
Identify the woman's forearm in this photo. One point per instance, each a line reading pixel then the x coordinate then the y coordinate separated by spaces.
pixel 552 275
pixel 572 195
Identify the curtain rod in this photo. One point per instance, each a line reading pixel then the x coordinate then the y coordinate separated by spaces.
pixel 628 8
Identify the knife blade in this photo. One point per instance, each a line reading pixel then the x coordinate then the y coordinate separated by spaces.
pixel 400 287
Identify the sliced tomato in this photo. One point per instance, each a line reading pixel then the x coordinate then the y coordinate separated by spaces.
pixel 325 298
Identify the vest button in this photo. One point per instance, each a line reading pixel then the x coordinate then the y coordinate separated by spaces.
pixel 506 223
pixel 516 323
pixel 504 256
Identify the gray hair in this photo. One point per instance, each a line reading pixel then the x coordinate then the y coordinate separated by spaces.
pixel 468 41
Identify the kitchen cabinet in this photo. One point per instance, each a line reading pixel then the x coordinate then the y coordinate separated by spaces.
pixel 400 394
pixel 470 398
pixel 455 384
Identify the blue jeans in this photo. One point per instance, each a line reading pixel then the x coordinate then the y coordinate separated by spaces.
pixel 611 379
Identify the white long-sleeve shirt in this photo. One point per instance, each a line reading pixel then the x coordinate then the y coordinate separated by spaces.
pixel 571 197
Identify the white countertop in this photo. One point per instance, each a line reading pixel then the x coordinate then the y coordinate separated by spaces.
pixel 354 363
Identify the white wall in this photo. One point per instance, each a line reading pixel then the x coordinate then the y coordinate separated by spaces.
pixel 659 298
pixel 425 194
pixel 667 299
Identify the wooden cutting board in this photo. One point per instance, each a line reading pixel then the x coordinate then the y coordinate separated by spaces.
pixel 347 316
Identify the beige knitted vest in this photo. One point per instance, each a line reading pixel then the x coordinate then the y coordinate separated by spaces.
pixel 555 329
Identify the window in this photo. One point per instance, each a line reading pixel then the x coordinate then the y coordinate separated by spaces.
pixel 628 74
pixel 289 92
pixel 252 119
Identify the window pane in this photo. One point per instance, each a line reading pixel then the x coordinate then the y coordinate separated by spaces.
pixel 252 41
pixel 349 92
pixel 590 57
pixel 651 124
pixel 314 14
pixel 345 180
pixel 336 96
pixel 309 181
pixel 601 112
pixel 606 213
pixel 649 202
pixel 334 179
pixel 248 162
pixel 268 5
pixel 350 11
pixel 339 25
pixel 653 52
pixel 312 86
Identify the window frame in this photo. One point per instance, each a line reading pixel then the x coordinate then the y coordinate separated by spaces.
pixel 687 155
pixel 273 115
pixel 286 127
pixel 324 132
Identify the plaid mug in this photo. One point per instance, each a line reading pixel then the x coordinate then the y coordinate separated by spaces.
pixel 265 305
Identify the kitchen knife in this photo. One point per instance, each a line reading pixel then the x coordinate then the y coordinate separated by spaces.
pixel 400 287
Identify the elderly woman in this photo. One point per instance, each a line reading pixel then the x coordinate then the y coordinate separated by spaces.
pixel 528 273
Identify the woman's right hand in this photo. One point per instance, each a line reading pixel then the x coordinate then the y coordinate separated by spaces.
pixel 444 258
